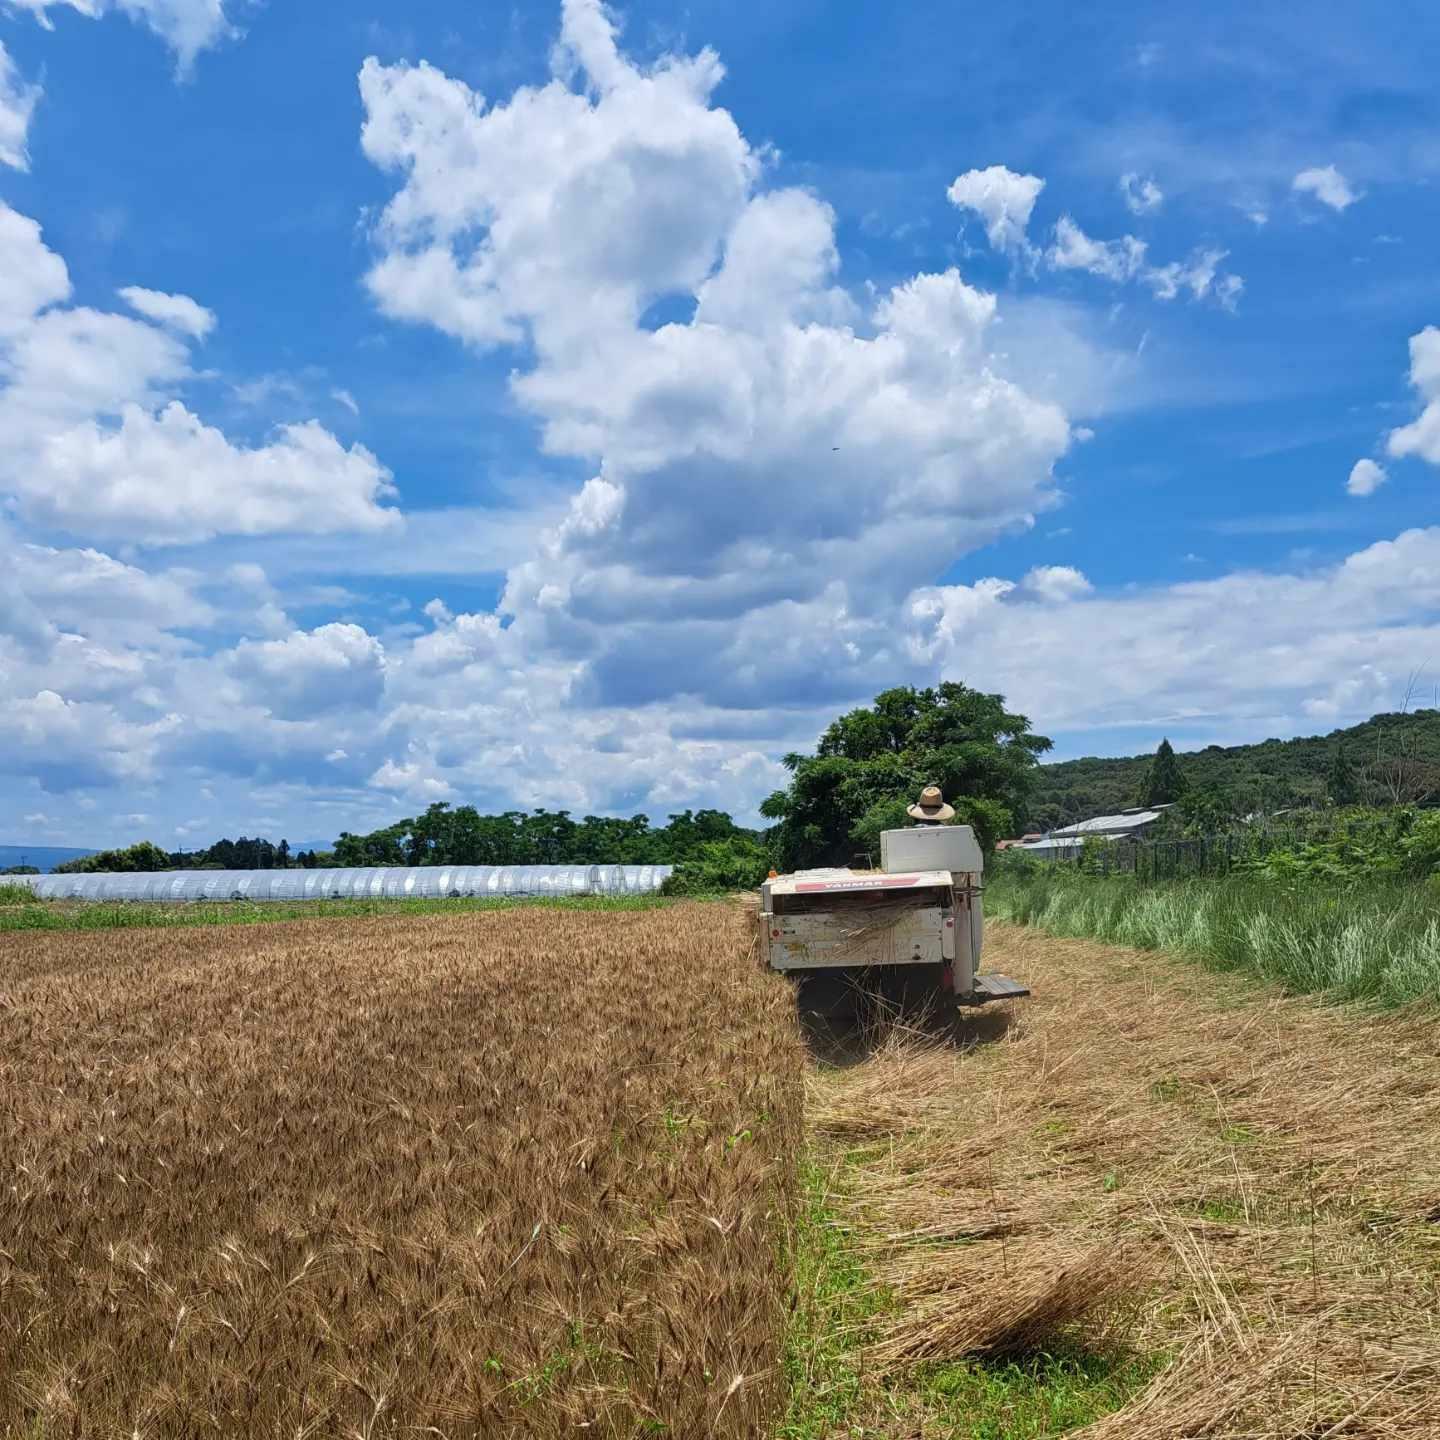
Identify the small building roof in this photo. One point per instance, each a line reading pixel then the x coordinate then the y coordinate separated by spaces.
pixel 1125 823
pixel 1059 845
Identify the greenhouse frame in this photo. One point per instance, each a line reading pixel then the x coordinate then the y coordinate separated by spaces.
pixel 417 882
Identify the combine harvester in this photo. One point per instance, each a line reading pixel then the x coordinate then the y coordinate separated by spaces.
pixel 914 925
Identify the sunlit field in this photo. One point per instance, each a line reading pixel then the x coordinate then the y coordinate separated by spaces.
pixel 510 1173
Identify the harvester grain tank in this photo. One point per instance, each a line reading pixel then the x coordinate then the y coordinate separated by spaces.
pixel 919 917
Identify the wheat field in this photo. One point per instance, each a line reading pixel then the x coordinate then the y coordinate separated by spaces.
pixel 517 1173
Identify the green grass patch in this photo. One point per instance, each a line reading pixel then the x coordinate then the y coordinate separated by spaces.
pixel 1044 1396
pixel 1222 1209
pixel 1377 941
pixel 32 914
pixel 836 1304
pixel 837 1307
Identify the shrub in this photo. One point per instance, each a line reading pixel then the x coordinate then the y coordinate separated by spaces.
pixel 146 856
pixel 720 866
pixel 1421 847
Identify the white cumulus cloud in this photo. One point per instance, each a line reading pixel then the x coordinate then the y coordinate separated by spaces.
pixel 32 276
pixel 84 589
pixel 1002 198
pixel 1142 195
pixel 1366 477
pixel 1327 185
pixel 18 99
pixel 1127 259
pixel 410 780
pixel 1229 654
pixel 68 744
pixel 1422 436
pixel 169 478
pixel 93 442
pixel 312 672
pixel 558 212
pixel 784 434
pixel 175 312
pixel 187 26
pixel 1117 260
pixel 1057 582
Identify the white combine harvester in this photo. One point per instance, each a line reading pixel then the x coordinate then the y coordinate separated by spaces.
pixel 916 924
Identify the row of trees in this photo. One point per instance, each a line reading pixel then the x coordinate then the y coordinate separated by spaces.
pixel 462 836
pixel 241 854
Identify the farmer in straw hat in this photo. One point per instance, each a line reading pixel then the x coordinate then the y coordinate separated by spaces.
pixel 930 808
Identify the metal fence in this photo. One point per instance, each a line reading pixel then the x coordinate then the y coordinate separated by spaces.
pixel 1190 856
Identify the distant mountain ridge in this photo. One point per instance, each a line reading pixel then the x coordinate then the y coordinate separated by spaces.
pixel 43 857
pixel 1269 774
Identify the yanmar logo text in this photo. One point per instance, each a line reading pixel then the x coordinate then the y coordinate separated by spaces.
pixel 881 882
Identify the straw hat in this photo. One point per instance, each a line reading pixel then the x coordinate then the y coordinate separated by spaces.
pixel 931 806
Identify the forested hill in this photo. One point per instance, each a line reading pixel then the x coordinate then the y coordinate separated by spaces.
pixel 1269 775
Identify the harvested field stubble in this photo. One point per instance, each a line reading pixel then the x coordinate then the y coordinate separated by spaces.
pixel 1157 1159
pixel 500 1174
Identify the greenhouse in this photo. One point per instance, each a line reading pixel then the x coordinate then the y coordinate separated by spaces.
pixel 419 882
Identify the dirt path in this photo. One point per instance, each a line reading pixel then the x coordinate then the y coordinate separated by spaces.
pixel 1170 1161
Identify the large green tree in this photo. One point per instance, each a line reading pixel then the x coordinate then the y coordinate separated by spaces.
pixel 872 762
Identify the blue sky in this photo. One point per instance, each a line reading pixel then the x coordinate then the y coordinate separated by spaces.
pixel 553 405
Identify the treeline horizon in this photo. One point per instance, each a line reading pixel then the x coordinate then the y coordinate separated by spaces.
pixel 867 766
pixel 458 835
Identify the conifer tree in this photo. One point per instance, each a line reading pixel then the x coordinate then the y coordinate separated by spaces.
pixel 1340 782
pixel 1164 784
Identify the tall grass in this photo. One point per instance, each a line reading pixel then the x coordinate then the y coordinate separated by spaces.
pixel 1377 942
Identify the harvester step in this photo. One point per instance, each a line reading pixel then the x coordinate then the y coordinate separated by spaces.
pixel 998 987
